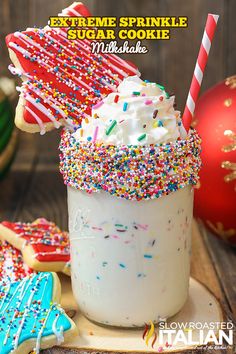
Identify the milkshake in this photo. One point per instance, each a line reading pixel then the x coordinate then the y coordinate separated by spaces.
pixel 130 171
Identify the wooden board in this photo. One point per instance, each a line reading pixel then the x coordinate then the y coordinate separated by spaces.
pixel 201 306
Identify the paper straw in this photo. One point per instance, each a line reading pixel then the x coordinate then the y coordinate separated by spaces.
pixel 195 86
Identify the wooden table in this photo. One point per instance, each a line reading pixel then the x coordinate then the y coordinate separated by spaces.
pixel 34 188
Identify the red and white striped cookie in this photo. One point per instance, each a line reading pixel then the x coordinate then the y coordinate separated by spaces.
pixel 62 79
pixel 43 245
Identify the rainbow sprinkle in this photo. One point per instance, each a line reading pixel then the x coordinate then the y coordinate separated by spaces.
pixel 135 172
pixel 155 124
pixel 149 256
pixel 112 126
pixel 99 104
pixel 125 106
pixel 95 134
pixel 116 99
pixel 155 113
pixel 122 265
pixel 142 137
pixel 148 102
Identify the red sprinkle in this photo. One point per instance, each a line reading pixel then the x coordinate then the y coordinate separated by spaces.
pixel 116 99
pixel 161 98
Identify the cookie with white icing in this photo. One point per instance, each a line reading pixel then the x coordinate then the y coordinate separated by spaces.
pixel 43 245
pixel 31 317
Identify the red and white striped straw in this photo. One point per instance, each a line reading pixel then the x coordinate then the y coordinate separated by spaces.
pixel 195 86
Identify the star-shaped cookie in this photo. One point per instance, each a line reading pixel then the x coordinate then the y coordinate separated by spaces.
pixel 43 245
pixel 62 79
pixel 30 316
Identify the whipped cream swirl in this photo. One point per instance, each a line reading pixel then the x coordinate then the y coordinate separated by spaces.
pixel 139 113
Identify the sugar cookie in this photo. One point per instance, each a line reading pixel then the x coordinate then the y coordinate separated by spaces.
pixel 31 318
pixel 62 78
pixel 43 245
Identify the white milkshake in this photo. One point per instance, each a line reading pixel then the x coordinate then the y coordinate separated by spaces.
pixel 129 171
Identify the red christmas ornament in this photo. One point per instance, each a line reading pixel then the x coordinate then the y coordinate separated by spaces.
pixel 215 120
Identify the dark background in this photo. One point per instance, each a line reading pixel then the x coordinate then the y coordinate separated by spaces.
pixel 168 62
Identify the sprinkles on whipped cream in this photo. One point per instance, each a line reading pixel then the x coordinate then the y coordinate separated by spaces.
pixel 132 172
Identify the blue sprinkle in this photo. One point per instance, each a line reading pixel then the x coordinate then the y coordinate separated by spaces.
pixel 147 256
pixel 98 278
pixel 160 124
pixel 122 265
pixel 125 106
pixel 89 138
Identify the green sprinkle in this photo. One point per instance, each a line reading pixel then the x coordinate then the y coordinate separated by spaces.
pixel 136 93
pixel 112 126
pixel 141 137
pixel 167 95
pixel 120 225
pixel 161 87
